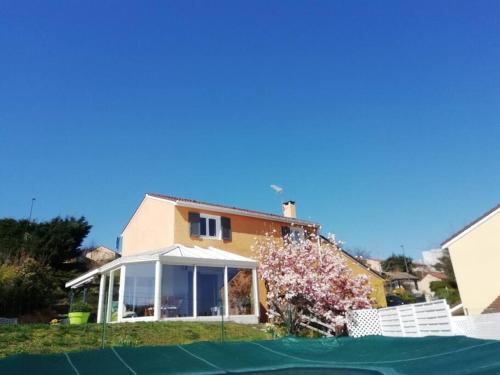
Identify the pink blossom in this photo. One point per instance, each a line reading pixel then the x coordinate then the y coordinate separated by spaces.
pixel 308 278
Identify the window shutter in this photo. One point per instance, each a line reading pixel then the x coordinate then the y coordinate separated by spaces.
pixel 285 231
pixel 225 223
pixel 194 224
pixel 119 244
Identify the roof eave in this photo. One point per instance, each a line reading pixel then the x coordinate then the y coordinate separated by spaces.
pixel 470 227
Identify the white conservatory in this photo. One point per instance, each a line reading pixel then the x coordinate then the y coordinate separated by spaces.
pixel 176 283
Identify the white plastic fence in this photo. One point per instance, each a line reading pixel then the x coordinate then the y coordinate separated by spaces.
pixel 485 326
pixel 415 320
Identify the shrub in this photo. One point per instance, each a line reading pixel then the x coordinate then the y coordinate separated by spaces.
pixel 25 285
pixel 404 295
pixel 445 290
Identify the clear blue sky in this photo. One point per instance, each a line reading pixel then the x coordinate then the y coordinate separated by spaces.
pixel 381 119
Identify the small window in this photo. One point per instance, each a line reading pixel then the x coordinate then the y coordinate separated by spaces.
pixel 209 226
pixel 297 234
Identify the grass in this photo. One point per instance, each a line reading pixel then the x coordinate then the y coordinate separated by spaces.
pixel 44 339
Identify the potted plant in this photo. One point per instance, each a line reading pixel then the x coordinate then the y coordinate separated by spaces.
pixel 79 313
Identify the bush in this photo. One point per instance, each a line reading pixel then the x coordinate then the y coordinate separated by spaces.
pixel 445 290
pixel 80 307
pixel 25 285
pixel 405 296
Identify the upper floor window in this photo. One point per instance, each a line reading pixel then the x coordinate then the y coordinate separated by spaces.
pixel 209 226
pixel 297 234
pixel 293 233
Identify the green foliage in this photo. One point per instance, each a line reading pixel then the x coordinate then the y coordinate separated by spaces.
pixel 80 307
pixel 397 263
pixel 35 262
pixel 446 266
pixel 25 285
pixel 38 338
pixel 405 296
pixel 51 242
pixel 445 290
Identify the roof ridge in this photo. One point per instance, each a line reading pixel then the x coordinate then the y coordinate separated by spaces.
pixel 194 201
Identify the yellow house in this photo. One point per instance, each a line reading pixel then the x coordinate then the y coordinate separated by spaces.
pixel 162 220
pixel 475 255
pixel 207 249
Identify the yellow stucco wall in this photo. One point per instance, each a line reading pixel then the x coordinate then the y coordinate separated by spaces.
pixel 150 228
pixel 158 223
pixel 244 232
pixel 376 282
pixel 476 259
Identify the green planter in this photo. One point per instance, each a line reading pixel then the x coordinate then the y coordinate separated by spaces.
pixel 78 317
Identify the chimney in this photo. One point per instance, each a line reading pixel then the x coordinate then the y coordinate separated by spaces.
pixel 289 209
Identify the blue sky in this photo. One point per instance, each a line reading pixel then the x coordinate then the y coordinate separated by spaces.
pixel 380 119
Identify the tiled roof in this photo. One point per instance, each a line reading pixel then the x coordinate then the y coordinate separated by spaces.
pixel 470 224
pixel 323 238
pixel 438 275
pixel 494 307
pixel 401 276
pixel 243 211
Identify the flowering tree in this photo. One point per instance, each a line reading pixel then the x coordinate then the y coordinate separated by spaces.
pixel 304 277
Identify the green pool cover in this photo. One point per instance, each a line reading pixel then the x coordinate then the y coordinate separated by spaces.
pixel 363 356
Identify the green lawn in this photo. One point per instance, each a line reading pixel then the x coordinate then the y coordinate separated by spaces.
pixel 37 338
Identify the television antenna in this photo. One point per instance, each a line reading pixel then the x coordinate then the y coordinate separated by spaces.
pixel 277 189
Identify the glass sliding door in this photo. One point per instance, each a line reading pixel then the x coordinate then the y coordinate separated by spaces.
pixel 139 292
pixel 240 287
pixel 210 290
pixel 177 291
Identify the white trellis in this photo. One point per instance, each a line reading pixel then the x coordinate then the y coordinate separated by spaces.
pixel 363 322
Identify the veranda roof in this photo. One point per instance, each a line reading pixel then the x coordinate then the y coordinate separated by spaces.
pixel 175 254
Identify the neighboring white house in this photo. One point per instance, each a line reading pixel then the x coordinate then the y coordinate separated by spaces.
pixel 424 285
pixel 374 264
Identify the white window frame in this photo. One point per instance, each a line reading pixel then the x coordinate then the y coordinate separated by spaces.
pixel 218 229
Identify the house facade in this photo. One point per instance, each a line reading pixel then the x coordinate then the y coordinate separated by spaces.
pixel 424 285
pixel 186 259
pixel 100 255
pixel 475 256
